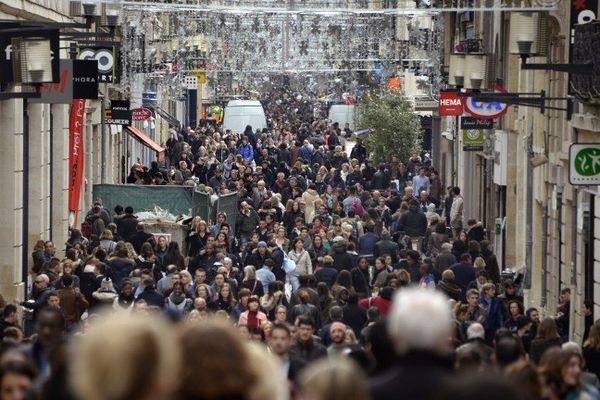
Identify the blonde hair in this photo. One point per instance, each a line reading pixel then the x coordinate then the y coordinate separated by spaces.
pixel 479 262
pixel 142 346
pixel 337 378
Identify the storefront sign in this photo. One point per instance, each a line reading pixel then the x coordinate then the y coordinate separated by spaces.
pixel 473 139
pixel 119 113
pixel 474 123
pixel 85 79
pixel 76 129
pixel 58 93
pixel 108 62
pixel 584 164
pixel 486 110
pixel 582 12
pixel 425 104
pixel 140 114
pixel 450 104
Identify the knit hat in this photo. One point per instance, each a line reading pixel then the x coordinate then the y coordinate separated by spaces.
pixel 337 325
pixel 261 244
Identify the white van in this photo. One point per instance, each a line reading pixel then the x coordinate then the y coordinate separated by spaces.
pixel 241 113
pixel 342 114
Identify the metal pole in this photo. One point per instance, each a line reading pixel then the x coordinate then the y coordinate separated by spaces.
pixel 529 210
pixel 103 144
pixel 25 213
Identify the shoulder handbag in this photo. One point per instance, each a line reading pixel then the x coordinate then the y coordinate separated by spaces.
pixel 289 265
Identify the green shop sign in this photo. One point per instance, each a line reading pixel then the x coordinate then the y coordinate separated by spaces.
pixel 472 139
pixel 584 164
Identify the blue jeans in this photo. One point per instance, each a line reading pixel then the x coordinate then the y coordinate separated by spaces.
pixel 294 282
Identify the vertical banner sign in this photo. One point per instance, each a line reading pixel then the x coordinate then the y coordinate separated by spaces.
pixel 582 12
pixel 75 157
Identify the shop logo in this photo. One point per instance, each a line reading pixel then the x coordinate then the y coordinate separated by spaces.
pixel 587 161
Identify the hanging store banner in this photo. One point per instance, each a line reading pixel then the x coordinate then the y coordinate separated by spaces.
pixel 584 164
pixel 85 79
pixel 450 104
pixel 473 139
pixel 109 62
pixel 474 123
pixel 58 93
pixel 582 12
pixel 119 113
pixel 486 110
pixel 141 114
pixel 76 159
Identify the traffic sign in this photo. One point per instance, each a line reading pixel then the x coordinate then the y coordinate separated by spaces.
pixel 486 110
pixel 584 164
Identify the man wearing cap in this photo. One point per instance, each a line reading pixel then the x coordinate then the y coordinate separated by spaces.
pixel 337 331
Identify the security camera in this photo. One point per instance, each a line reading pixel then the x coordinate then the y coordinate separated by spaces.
pixel 448 135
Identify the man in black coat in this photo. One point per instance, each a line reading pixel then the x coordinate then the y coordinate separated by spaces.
pixel 306 348
pixel 386 246
pixel 139 238
pixel 280 343
pixel 150 295
pixel 419 326
pixel 354 315
pixel 464 273
pixel 127 224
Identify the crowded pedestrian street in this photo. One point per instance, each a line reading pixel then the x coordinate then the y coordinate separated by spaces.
pixel 299 200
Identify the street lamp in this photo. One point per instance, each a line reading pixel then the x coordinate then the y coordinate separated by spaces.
pixel 523 41
pixel 456 73
pixel 474 70
pixel 31 60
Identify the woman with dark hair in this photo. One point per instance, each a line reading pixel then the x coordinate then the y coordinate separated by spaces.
pixel 459 248
pixel 326 301
pixel 547 337
pixel 120 264
pixel 274 297
pixel 360 278
pixel 303 262
pixel 225 300
pixel 174 256
pixel 343 281
pixel 514 309
pixel 561 372
pixel 591 350
pixel 16 379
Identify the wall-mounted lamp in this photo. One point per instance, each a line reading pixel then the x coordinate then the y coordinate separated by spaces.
pixel 475 71
pixel 456 73
pixel 524 39
pixel 31 60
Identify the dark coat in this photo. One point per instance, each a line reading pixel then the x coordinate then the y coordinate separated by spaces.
pixel 327 275
pixel 341 259
pixel 539 347
pixel 355 317
pixel 450 289
pixel 308 352
pixel 413 222
pixel 463 275
pixel 386 246
pixel 151 297
pixel 139 239
pixel 127 226
pixel 416 376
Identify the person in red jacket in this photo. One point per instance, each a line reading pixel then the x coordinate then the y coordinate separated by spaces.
pixel 382 301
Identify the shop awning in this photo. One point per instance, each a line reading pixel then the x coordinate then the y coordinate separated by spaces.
pixel 145 140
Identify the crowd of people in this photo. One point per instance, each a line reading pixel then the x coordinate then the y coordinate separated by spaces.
pixel 337 279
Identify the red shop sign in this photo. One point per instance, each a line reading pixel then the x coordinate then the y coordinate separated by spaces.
pixel 450 104
pixel 140 114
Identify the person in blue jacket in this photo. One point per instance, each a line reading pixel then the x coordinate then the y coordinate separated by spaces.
pixel 494 311
pixel 245 150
